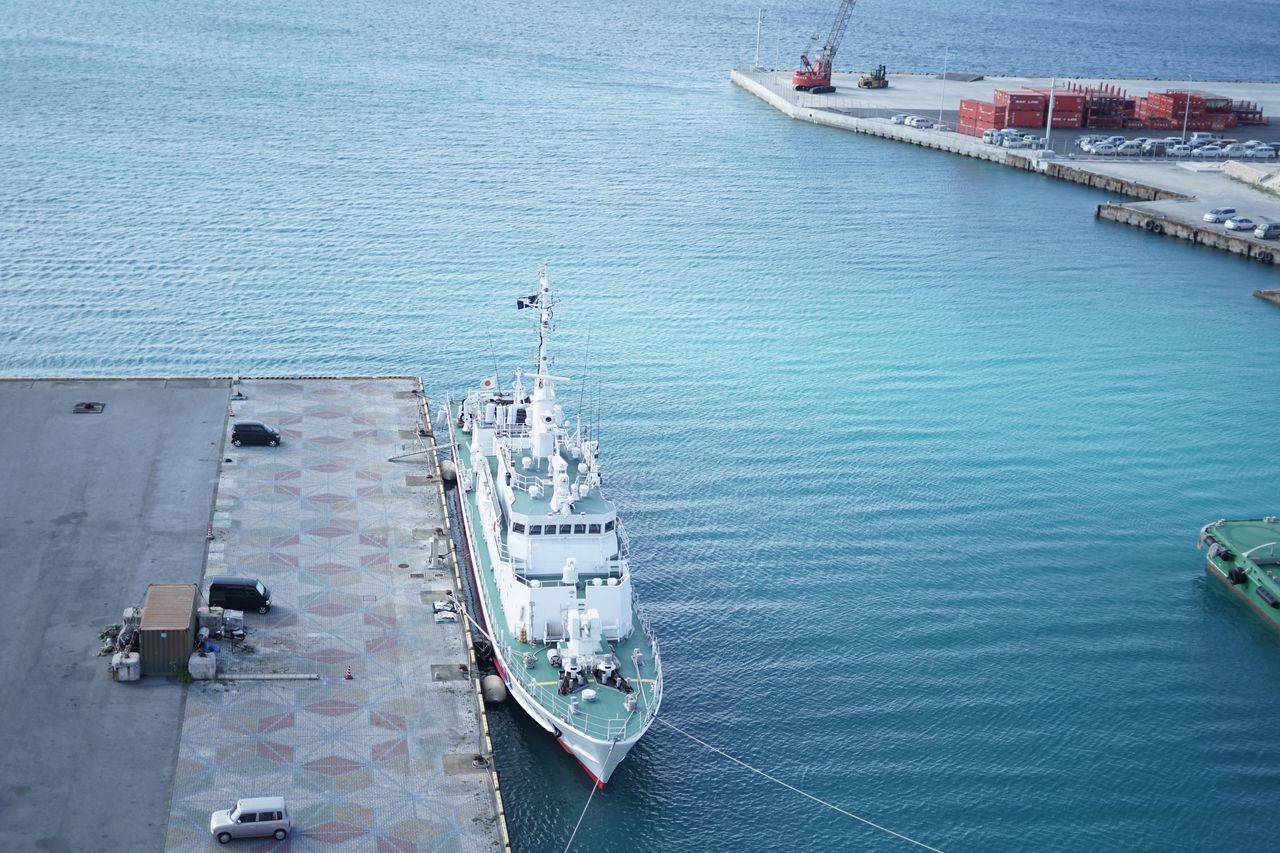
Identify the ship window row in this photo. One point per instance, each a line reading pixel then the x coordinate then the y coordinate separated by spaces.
pixel 560 529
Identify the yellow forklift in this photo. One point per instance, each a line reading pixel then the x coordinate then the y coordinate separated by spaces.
pixel 874 79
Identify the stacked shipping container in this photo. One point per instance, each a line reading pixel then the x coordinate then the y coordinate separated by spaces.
pixel 979 116
pixel 1066 109
pixel 1104 106
pixel 1025 106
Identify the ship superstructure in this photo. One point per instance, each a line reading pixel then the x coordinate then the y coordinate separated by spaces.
pixel 549 556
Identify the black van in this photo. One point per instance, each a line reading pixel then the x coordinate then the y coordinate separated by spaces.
pixel 239 594
pixel 254 432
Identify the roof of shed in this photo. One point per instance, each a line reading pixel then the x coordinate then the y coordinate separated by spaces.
pixel 168 607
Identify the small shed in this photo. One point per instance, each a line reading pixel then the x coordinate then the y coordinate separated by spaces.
pixel 167 632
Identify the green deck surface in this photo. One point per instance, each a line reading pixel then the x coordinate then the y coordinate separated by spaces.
pixel 1261 569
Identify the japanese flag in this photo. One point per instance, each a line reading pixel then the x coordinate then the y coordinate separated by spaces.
pixel 489 383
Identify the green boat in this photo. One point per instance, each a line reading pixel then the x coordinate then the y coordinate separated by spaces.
pixel 1245 556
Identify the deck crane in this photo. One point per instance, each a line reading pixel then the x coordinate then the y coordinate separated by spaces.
pixel 816 77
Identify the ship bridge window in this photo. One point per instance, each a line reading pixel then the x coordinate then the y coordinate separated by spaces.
pixel 608 525
pixel 593 528
pixel 565 529
pixel 579 528
pixel 517 527
pixel 535 529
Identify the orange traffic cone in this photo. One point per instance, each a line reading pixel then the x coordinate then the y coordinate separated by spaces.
pixel 348 676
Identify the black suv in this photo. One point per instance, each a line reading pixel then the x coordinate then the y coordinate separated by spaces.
pixel 253 432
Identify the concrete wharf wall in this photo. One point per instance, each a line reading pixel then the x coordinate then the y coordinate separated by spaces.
pixel 1238 243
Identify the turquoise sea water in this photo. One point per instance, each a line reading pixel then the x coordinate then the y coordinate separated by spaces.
pixel 911 448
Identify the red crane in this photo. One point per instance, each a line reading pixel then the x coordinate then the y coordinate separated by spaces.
pixel 816 77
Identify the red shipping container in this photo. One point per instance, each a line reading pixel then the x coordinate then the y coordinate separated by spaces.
pixel 1063 100
pixel 1019 99
pixel 1025 118
pixel 1070 120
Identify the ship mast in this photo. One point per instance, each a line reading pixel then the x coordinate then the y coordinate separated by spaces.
pixel 544 321
pixel 543 403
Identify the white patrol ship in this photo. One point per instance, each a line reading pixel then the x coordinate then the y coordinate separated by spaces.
pixel 549 556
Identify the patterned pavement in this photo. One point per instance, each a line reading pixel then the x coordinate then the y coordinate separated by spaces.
pixel 342 537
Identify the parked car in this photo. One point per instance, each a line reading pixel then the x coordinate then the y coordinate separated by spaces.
pixel 1104 149
pixel 918 121
pixel 1267 230
pixel 254 432
pixel 256 817
pixel 1032 140
pixel 900 118
pixel 1178 150
pixel 1155 148
pixel 1240 223
pixel 1013 142
pixel 1207 151
pixel 239 594
pixel 1219 214
pixel 1236 150
pixel 1263 152
pixel 1204 136
pixel 991 137
pixel 1132 148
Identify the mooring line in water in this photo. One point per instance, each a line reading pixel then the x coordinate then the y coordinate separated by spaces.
pixel 594 787
pixel 793 788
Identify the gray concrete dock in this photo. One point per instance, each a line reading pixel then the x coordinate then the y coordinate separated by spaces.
pixel 93 507
pixel 354 548
pixel 1173 194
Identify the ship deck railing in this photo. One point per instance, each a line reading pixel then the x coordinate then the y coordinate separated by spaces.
pixel 521 481
pixel 545 690
pixel 618 569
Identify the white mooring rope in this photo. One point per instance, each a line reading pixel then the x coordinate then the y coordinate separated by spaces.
pixel 793 788
pixel 594 787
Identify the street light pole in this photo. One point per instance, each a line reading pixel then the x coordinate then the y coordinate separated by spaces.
pixel 942 101
pixel 759 21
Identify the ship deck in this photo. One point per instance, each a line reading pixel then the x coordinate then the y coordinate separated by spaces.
pixel 592 504
pixel 1260 588
pixel 604 718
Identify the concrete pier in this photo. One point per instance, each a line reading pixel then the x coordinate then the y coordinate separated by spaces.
pixel 1172 196
pixel 1187 228
pixel 354 548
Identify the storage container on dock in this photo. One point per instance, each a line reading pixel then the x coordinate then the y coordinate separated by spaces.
pixel 1020 99
pixel 1025 118
pixel 167 631
pixel 1066 120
